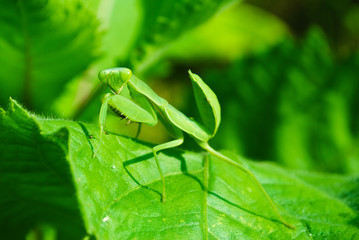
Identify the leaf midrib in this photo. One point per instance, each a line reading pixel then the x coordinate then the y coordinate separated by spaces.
pixel 205 200
pixel 105 210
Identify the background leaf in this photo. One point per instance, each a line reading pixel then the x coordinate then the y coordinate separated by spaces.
pixel 239 29
pixel 162 23
pixel 47 44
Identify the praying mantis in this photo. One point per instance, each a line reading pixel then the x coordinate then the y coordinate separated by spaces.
pixel 133 100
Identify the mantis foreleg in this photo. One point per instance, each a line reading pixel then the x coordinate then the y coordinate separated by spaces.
pixel 126 109
pixel 138 130
pixel 102 121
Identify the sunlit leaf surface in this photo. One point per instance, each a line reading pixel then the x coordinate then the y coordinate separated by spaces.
pixel 118 192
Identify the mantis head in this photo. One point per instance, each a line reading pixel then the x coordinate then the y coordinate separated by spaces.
pixel 115 78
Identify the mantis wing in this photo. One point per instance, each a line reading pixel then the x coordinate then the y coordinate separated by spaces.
pixel 207 103
pixel 143 102
pixel 187 125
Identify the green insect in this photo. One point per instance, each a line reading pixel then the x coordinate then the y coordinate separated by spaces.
pixel 135 101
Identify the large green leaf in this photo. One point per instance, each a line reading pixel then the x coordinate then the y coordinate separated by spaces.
pixel 36 185
pixel 119 190
pixel 43 45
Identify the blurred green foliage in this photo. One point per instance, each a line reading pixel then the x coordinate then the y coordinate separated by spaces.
pixel 338 19
pixel 240 29
pixel 43 45
pixel 294 103
pixel 165 22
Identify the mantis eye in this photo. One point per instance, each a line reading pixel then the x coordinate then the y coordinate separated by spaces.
pixel 103 76
pixel 125 74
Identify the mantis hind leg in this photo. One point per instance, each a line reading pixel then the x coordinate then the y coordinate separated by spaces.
pixel 138 130
pixel 160 147
pixel 208 148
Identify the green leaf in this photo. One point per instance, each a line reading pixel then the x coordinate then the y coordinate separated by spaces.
pixel 36 185
pixel 165 21
pixel 118 21
pixel 119 191
pixel 230 34
pixel 46 43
